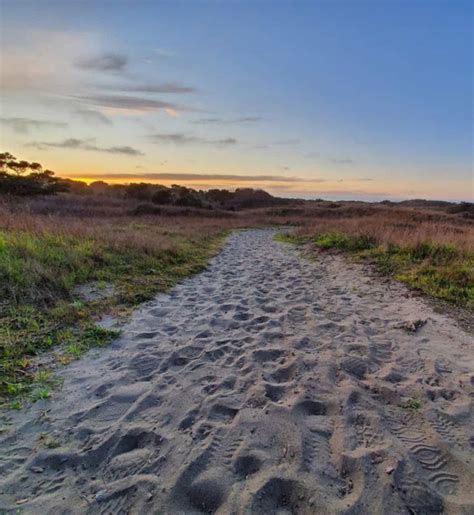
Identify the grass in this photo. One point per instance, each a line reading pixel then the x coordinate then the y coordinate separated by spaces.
pixel 50 246
pixel 40 270
pixel 411 404
pixel 440 270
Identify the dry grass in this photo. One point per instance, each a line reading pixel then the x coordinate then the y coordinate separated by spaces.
pixel 402 227
pixel 50 245
pixel 431 251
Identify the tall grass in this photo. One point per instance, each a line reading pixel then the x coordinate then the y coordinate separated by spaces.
pixel 430 252
pixel 44 257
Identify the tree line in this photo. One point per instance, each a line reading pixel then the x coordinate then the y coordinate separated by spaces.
pixel 24 178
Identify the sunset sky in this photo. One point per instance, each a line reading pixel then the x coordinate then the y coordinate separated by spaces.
pixel 333 99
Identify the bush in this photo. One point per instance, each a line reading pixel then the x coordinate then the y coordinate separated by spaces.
pixel 162 196
pixel 14 179
pixel 345 242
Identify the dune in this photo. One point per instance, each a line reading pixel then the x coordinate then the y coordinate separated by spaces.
pixel 269 383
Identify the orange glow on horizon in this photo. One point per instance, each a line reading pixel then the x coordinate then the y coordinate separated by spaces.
pixel 299 187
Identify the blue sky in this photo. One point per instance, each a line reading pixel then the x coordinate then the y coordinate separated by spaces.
pixel 354 99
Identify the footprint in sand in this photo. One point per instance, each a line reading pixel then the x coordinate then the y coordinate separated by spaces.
pixel 263 385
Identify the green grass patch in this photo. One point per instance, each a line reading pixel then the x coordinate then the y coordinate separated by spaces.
pixel 344 242
pixel 439 270
pixel 39 310
pixel 288 237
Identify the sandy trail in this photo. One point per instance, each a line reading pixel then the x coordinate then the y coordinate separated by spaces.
pixel 266 384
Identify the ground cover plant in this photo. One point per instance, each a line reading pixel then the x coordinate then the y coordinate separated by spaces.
pixel 43 259
pixel 431 252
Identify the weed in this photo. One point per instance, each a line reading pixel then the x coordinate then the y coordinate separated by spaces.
pixel 75 350
pixel 15 388
pixel 43 377
pixel 16 405
pixel 40 394
pixel 48 441
pixel 412 404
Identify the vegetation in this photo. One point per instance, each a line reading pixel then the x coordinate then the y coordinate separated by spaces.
pixel 412 404
pixel 436 258
pixel 42 263
pixel 22 178
pixel 132 241
pixel 155 194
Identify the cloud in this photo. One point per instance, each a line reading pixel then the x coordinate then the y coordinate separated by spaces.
pixel 24 125
pixel 86 144
pixel 230 121
pixel 186 139
pixel 341 161
pixel 93 116
pixel 42 60
pixel 278 143
pixel 357 179
pixel 132 103
pixel 108 62
pixel 163 52
pixel 162 87
pixel 205 177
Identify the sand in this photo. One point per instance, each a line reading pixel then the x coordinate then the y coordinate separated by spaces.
pixel 269 383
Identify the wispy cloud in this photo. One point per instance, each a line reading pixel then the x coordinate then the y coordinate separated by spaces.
pixel 179 138
pixel 203 177
pixel 161 87
pixel 279 143
pixel 107 62
pixel 132 103
pixel 332 159
pixel 163 52
pixel 229 121
pixel 211 177
pixel 24 125
pixel 341 160
pixel 289 184
pixel 93 116
pixel 86 144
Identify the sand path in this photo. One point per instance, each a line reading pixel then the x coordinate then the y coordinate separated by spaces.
pixel 267 384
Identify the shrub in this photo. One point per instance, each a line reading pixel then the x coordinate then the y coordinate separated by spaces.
pixel 22 178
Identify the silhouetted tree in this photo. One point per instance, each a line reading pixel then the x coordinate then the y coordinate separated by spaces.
pixel 162 195
pixel 141 190
pixel 24 178
pixel 220 196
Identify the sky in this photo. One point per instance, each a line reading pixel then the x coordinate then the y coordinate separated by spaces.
pixel 346 99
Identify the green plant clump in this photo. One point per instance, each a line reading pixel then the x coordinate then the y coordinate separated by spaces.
pixel 439 270
pixel 41 310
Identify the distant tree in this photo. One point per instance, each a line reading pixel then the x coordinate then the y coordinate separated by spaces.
pixel 221 196
pixel 186 197
pixel 162 195
pixel 24 178
pixel 99 186
pixel 141 190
